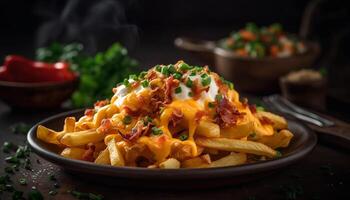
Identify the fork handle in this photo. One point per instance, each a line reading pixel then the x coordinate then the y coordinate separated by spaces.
pixel 339 134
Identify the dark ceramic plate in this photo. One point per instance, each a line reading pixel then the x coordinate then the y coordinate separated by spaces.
pixel 302 144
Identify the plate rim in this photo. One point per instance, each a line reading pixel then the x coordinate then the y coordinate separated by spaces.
pixel 162 174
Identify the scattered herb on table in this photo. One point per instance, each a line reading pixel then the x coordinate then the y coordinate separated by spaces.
pixel 292 192
pixel 98 73
pixel 20 128
pixel 86 196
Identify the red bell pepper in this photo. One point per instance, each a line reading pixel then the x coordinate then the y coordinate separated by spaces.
pixel 20 69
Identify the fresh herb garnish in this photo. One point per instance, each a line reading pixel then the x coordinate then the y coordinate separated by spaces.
pixel 205 79
pixel 190 94
pixel 177 75
pixel 35 194
pixel 133 77
pixel 127 120
pixel 158 68
pixel 184 67
pixel 146 120
pixel 126 82
pixel 178 90
pixel 99 73
pixel 260 108
pixel 22 181
pixel 165 71
pixel 211 105
pixel 189 83
pixel 183 137
pixel 20 128
pixel 218 97
pixel 278 154
pixel 145 83
pixel 156 131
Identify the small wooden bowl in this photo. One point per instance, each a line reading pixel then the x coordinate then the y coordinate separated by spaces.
pixel 258 75
pixel 37 95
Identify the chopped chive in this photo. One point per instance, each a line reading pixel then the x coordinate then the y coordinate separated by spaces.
pixel 145 83
pixel 206 81
pixel 211 105
pixel 126 83
pixel 52 192
pixel 278 154
pixel 193 73
pixel 156 131
pixel 147 119
pixel 171 69
pixel 22 181
pixel 184 66
pixel 165 71
pixel 12 159
pixel 142 75
pixel 190 94
pixel 158 68
pixel 127 120
pixel 230 85
pixel 178 90
pixel 189 83
pixel 183 137
pixel 177 75
pixel 133 77
pixel 218 97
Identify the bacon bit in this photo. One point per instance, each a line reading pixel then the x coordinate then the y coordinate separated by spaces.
pixel 223 88
pixel 199 115
pixel 176 117
pixel 135 84
pixel 114 90
pixel 89 153
pixel 227 113
pixel 102 103
pixel 162 139
pixel 197 90
pixel 151 75
pixel 89 112
pixel 106 126
pixel 170 83
pixel 252 108
pixel 136 132
pixel 265 121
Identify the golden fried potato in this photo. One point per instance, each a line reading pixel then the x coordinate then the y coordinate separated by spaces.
pixel 115 155
pixel 278 121
pixel 279 139
pixel 208 129
pixel 73 153
pixel 196 162
pixel 103 158
pixel 237 146
pixel 48 135
pixel 241 130
pixel 80 138
pixel 230 160
pixel 170 163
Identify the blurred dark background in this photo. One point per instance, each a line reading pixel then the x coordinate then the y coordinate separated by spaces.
pixel 148 28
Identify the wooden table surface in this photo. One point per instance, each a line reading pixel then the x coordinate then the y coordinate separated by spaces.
pixel 324 174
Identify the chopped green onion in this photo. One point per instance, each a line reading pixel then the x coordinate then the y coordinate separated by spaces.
pixel 189 83
pixel 190 94
pixel 126 83
pixel 218 97
pixel 142 75
pixel 127 120
pixel 171 69
pixel 178 90
pixel 22 181
pixel 183 137
pixel 156 131
pixel 206 80
pixel 278 154
pixel 133 77
pixel 147 119
pixel 158 68
pixel 211 105
pixel 165 71
pixel 177 75
pixel 145 83
pixel 184 67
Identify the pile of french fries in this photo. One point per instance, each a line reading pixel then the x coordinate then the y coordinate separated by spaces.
pixel 249 140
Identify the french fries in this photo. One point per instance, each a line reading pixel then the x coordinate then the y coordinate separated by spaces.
pixel 80 138
pixel 115 156
pixel 208 129
pixel 170 163
pixel 237 146
pixel 173 116
pixel 231 160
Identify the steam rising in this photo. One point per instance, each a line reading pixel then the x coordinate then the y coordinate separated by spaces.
pixel 96 24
